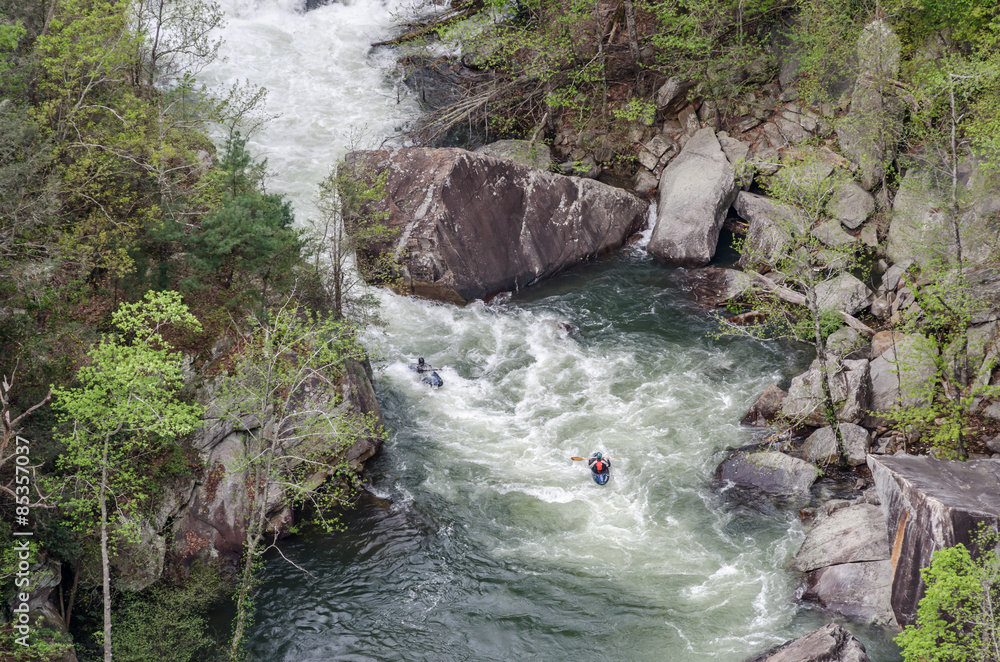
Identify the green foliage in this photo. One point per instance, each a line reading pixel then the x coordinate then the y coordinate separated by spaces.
pixel 126 406
pixel 44 645
pixel 250 231
pixel 939 409
pixel 10 36
pixel 353 226
pixel 957 620
pixel 169 620
pixel 291 373
pixel 824 36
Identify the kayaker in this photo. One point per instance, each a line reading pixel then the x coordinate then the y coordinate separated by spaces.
pixel 600 468
pixel 421 367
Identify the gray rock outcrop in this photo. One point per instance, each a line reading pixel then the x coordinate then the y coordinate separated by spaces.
pixel 858 591
pixel 766 409
pixel 851 205
pixel 768 471
pixel 696 190
pixel 930 504
pixel 830 643
pixel 908 381
pixel 848 387
pixel 843 532
pixel 871 129
pixel 714 286
pixel 212 520
pixel 525 152
pixel 843 292
pixel 771 229
pixel 921 230
pixel 471 226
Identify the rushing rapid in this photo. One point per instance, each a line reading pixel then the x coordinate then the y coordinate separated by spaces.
pixel 481 540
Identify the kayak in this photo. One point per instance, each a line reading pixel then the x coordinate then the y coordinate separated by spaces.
pixel 433 379
pixel 602 477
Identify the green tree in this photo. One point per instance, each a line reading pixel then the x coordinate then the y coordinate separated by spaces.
pixel 290 376
pixel 125 407
pixel 805 261
pixel 947 93
pixel 958 619
pixel 250 231
pixel 167 621
pixel 351 223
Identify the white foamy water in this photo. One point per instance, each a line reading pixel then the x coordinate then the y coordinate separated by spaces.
pixel 330 90
pixel 494 544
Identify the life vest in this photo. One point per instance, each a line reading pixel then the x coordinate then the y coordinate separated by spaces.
pixel 599 465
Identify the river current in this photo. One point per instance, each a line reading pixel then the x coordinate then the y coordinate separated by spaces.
pixel 481 539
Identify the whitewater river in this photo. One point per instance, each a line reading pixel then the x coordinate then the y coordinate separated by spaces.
pixel 483 540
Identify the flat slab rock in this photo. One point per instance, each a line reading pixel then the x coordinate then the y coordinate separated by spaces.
pixel 830 643
pixel 472 225
pixel 768 471
pixel 930 504
pixel 858 591
pixel 843 532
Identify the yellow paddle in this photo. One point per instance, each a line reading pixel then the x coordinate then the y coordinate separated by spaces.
pixel 606 457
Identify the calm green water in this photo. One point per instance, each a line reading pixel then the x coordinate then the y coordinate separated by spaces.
pixel 488 543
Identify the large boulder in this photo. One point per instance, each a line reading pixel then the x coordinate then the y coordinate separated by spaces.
pixel 714 286
pixel 696 190
pixel 822 447
pixel 472 225
pixel 849 389
pixel 851 205
pixel 843 532
pixel 904 374
pixel 830 643
pixel 771 229
pixel 768 471
pixel 921 230
pixel 766 409
pixel 858 591
pixel 930 504
pixel 843 292
pixel 868 135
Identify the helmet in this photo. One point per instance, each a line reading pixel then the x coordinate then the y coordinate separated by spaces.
pixel 420 360
pixel 598 455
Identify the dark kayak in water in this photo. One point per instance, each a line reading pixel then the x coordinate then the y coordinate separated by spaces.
pixel 433 379
pixel 428 373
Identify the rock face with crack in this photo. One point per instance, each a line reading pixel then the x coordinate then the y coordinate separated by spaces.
pixel 930 504
pixel 470 225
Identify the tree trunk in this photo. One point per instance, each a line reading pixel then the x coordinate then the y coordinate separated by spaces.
pixel 633 35
pixel 105 559
pixel 72 593
pixel 830 408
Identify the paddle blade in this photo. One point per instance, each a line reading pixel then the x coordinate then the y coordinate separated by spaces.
pixel 577 459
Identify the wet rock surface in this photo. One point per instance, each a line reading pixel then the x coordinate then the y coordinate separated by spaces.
pixel 830 643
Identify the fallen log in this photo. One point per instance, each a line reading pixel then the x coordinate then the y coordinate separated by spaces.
pixel 791 296
pixel 442 20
